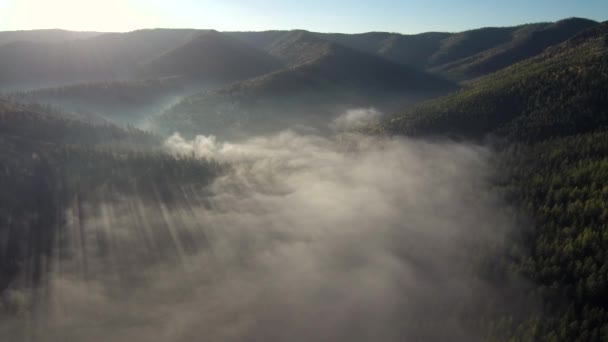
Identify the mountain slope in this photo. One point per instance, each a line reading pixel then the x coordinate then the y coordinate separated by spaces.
pixel 557 93
pixel 524 43
pixel 34 59
pixel 39 124
pixel 336 79
pixel 52 164
pixel 212 57
pixel 298 47
pixel 467 54
pixel 108 56
pixel 551 161
pixel 123 102
pixel 292 47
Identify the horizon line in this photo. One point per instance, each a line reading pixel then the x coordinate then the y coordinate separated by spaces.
pixel 298 29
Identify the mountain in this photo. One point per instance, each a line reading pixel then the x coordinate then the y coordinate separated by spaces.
pixel 554 94
pixel 44 58
pixel 546 121
pixel 109 56
pixel 332 79
pixel 411 50
pixel 298 47
pixel 467 54
pixel 43 125
pixel 291 47
pixel 524 43
pixel 212 57
pixel 124 102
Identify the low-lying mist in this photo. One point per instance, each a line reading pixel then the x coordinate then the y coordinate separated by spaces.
pixel 304 238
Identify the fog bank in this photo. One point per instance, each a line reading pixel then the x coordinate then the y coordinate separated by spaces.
pixel 305 238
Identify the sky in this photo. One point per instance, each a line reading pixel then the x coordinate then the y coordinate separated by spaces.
pixel 347 16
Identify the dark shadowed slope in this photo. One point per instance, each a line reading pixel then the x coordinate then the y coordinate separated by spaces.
pixel 560 92
pixel 50 162
pixel 212 57
pixel 336 79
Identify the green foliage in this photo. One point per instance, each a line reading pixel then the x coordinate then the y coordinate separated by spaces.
pixel 562 185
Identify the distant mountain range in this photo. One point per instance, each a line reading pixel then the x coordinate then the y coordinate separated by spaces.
pixel 234 81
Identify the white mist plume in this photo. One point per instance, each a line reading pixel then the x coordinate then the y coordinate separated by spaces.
pixel 356 118
pixel 306 238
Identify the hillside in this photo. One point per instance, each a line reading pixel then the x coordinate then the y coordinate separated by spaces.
pixel 560 186
pixel 52 164
pixel 211 57
pixel 124 102
pixel 298 47
pixel 39 124
pixel 547 121
pixel 554 94
pixel 291 47
pixel 336 79
pixel 524 43
pixel 45 58
pixel 465 55
pixel 109 56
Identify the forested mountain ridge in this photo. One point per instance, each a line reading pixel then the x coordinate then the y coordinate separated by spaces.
pixel 467 54
pixel 549 115
pixel 104 57
pixel 526 42
pixel 331 77
pixel 556 93
pixel 31 59
pixel 211 57
pixel 123 102
pixel 292 47
pixel 46 125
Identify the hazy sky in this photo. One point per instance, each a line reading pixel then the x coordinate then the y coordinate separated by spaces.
pixel 406 16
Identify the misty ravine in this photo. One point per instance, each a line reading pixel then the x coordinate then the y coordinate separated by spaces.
pixel 303 238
